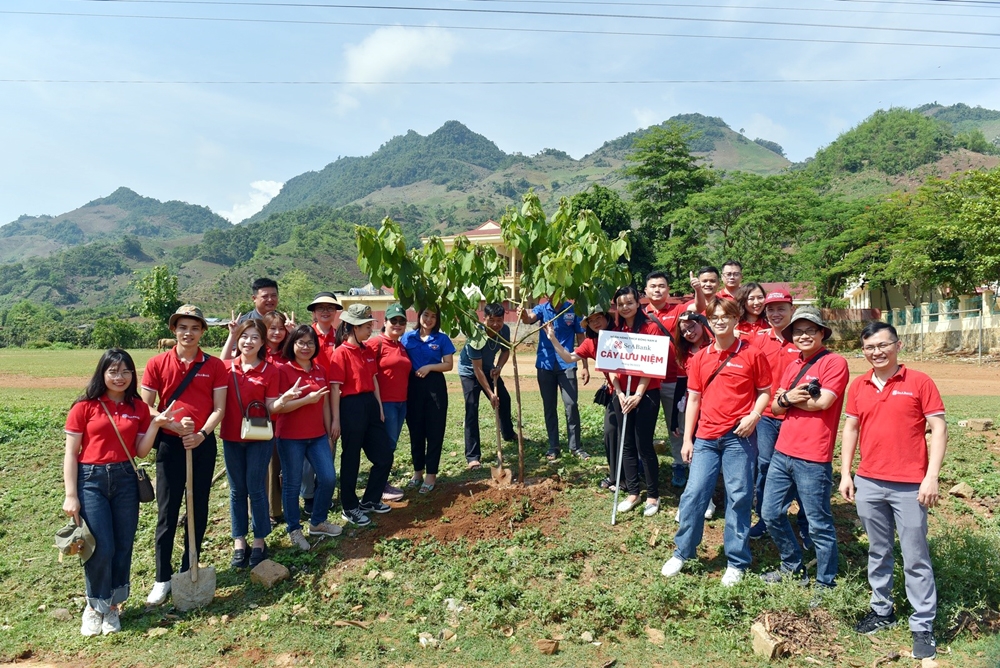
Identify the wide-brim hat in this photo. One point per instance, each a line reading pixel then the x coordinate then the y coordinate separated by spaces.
pixel 395 311
pixel 76 539
pixel 357 314
pixel 811 314
pixel 188 311
pixel 325 298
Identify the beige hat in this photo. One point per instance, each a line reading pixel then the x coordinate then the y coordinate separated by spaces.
pixel 325 298
pixel 188 311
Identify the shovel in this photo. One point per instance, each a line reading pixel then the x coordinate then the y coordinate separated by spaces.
pixel 192 589
pixel 500 475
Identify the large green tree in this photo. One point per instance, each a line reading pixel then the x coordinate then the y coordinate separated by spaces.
pixel 158 293
pixel 662 174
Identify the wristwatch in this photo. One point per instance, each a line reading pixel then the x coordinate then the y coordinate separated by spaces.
pixel 203 433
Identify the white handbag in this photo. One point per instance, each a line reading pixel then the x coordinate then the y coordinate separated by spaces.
pixel 258 428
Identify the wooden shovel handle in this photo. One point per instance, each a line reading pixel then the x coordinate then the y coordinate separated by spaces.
pixel 189 508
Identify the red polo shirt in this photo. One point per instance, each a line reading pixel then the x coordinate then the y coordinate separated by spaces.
pixel 258 384
pixel 810 435
pixel 892 421
pixel 751 329
pixel 393 367
pixel 733 392
pixel 779 354
pixel 353 368
pixel 588 350
pixel 100 444
pixel 723 294
pixel 668 318
pixel 164 374
pixel 305 421
pixel 327 344
pixel 651 329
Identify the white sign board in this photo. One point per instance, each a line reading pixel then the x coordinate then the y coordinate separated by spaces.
pixel 633 354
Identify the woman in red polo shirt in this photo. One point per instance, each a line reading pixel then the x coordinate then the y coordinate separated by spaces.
pixel 253 381
pixel 751 300
pixel 729 384
pixel 355 394
pixel 596 321
pixel 304 433
pixel 638 398
pixel 101 483
pixel 394 368
pixel 277 333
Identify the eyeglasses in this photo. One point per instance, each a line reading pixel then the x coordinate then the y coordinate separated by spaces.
pixel 305 343
pixel 719 318
pixel 124 373
pixel 326 309
pixel 880 347
pixel 812 331
pixel 732 274
pixel 685 331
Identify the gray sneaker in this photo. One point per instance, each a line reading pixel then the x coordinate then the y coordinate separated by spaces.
pixel 92 621
pixel 298 540
pixel 111 623
pixel 325 529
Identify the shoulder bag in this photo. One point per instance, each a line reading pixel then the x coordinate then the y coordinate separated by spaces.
pixel 257 428
pixel 146 493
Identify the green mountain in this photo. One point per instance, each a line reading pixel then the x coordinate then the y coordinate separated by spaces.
pixel 123 212
pixel 964 119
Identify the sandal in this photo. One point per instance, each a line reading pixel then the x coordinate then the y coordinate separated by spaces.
pixel 414 483
pixel 473 465
pixel 551 456
pixel 425 488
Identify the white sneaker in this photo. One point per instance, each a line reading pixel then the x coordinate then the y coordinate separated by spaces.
pixel 710 511
pixel 677 517
pixel 91 625
pixel 158 594
pixel 625 505
pixel 298 540
pixel 672 567
pixel 731 576
pixel 651 509
pixel 111 623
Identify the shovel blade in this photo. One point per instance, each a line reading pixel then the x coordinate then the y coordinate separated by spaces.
pixel 189 594
pixel 501 476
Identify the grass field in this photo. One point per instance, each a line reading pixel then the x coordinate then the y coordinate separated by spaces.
pixel 499 569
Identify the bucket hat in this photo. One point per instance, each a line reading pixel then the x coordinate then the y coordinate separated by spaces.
pixel 811 314
pixel 358 314
pixel 188 311
pixel 76 539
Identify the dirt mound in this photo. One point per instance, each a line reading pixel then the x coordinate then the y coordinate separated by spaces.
pixel 475 511
pixel 813 634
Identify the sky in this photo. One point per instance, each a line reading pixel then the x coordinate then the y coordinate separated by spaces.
pixel 220 102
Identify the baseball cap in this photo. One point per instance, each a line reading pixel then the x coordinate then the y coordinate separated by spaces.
pixel 778 297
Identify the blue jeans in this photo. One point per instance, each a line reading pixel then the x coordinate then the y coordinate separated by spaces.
pixel 395 414
pixel 292 453
pixel 246 468
pixel 109 504
pixel 813 482
pixel 735 457
pixel 767 438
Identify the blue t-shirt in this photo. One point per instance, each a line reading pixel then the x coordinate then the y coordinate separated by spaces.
pixel 567 327
pixel 431 351
pixel 487 354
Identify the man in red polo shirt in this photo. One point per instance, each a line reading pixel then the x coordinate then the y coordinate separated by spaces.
pixel 897 480
pixel 657 292
pixel 708 277
pixel 732 279
pixel 810 396
pixel 201 405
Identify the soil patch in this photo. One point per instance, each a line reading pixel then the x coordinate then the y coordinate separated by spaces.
pixel 475 511
pixel 813 634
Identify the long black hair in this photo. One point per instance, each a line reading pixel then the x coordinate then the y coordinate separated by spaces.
pixel 640 316
pixel 298 333
pixel 96 388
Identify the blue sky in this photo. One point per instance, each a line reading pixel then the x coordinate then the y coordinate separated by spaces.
pixel 229 146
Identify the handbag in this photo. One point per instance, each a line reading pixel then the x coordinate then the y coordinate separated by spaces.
pixel 603 396
pixel 257 428
pixel 146 493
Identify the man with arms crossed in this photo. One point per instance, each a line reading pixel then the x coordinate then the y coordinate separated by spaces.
pixel 897 480
pixel 657 291
pixel 803 455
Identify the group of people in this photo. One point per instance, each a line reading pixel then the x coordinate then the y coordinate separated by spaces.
pixel 751 392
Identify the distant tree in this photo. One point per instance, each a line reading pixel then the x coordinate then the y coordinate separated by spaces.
pixel 770 146
pixel 296 291
pixel 663 174
pixel 158 293
pixel 611 209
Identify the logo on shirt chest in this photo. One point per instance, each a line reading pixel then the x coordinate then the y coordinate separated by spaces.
pixel 255 380
pixel 569 319
pixel 734 365
pixel 902 393
pixel 203 375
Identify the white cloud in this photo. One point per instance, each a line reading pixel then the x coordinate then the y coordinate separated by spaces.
pixel 391 52
pixel 761 126
pixel 646 117
pixel 261 192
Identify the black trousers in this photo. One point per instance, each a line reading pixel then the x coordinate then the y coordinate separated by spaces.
pixel 639 430
pixel 363 430
pixel 611 435
pixel 171 481
pixel 426 415
pixel 472 391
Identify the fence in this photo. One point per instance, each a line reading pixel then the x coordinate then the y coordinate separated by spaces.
pixel 969 323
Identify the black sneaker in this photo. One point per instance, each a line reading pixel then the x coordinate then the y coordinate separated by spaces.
pixel 924 645
pixel 307 507
pixel 874 622
pixel 758 531
pixel 355 516
pixel 377 507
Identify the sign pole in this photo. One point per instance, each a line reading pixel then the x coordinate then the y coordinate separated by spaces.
pixel 621 449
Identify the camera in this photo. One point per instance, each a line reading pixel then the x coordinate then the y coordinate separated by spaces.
pixel 813 388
